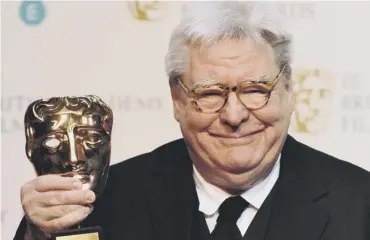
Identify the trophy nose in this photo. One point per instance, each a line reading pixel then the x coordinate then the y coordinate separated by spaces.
pixel 72 148
pixel 72 153
pixel 73 156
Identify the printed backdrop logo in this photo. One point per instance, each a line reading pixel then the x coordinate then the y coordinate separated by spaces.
pixel 14 107
pixel 355 103
pixel 146 10
pixel 312 99
pixel 32 12
pixel 297 10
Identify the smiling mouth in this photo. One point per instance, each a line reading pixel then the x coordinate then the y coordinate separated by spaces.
pixel 74 173
pixel 80 175
pixel 235 135
pixel 78 170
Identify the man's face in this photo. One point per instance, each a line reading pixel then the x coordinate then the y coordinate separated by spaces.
pixel 235 146
pixel 70 143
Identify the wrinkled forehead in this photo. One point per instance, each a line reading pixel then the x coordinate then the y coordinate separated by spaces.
pixel 232 61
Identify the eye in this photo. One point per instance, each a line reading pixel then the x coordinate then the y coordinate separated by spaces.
pixel 93 138
pixel 210 93
pixel 52 144
pixel 254 89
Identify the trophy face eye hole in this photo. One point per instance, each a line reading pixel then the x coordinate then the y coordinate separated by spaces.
pixel 93 138
pixel 51 143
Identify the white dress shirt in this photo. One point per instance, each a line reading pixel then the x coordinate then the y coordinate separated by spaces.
pixel 211 197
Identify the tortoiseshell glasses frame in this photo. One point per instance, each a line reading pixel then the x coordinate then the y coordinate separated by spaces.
pixel 253 94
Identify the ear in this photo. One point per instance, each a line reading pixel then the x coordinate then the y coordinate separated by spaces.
pixel 176 101
pixel 290 95
pixel 29 140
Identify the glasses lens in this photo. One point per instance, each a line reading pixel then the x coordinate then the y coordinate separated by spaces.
pixel 254 96
pixel 210 99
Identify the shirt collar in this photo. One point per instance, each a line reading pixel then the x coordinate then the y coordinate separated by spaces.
pixel 211 197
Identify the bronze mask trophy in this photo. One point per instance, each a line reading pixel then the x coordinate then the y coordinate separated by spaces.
pixel 71 136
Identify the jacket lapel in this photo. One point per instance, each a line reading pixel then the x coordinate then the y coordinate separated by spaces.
pixel 173 196
pixel 297 210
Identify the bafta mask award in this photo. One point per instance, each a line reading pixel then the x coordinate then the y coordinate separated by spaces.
pixel 71 137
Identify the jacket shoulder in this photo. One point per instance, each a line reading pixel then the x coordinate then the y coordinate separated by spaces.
pixel 324 164
pixel 144 166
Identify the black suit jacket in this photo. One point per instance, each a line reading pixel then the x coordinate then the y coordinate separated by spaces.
pixel 151 197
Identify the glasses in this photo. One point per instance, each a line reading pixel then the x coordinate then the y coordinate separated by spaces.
pixel 251 93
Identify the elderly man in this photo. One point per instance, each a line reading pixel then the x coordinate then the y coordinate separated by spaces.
pixel 236 174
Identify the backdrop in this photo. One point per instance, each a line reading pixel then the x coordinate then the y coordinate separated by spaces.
pixel 116 50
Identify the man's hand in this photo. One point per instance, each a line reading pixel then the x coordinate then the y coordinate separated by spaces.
pixel 52 203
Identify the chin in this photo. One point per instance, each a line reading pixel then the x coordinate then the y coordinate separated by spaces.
pixel 239 159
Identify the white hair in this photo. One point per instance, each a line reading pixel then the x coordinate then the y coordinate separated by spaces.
pixel 205 23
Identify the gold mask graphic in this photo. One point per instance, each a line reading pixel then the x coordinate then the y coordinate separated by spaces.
pixel 70 136
pixel 146 10
pixel 313 90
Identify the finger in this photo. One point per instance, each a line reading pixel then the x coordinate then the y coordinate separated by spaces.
pixel 54 182
pixel 66 221
pixel 53 212
pixel 75 197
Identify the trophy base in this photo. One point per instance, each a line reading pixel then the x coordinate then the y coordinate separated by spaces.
pixel 90 233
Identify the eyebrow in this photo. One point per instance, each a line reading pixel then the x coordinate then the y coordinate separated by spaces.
pixel 204 83
pixel 261 79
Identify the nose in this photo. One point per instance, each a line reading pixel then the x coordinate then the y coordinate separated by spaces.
pixel 234 113
pixel 72 148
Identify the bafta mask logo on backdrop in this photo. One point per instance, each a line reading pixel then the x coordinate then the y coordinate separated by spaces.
pixel 32 12
pixel 13 107
pixel 313 89
pixel 146 10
